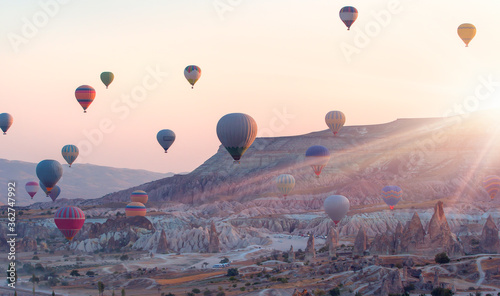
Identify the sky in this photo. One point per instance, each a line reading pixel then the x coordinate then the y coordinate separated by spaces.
pixel 286 63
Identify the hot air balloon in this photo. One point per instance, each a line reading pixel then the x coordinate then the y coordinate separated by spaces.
pixel 49 172
pixel 466 32
pixel 348 15
pixel 85 95
pixel 317 157
pixel 70 153
pixel 55 193
pixel 32 188
pixel 192 74
pixel 391 195
pixel 107 78
pixel 135 209
pixel 69 220
pixel 335 121
pixel 5 122
pixel 285 183
pixel 166 138
pixel 492 185
pixel 139 196
pixel 236 132
pixel 336 206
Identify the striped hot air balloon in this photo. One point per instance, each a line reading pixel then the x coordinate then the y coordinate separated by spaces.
pixel 348 15
pixel 285 183
pixel 317 157
pixel 236 132
pixel 192 74
pixel 70 153
pixel 85 95
pixel 69 220
pixel 6 121
pixel 49 172
pixel 336 206
pixel 135 209
pixel 107 78
pixel 166 138
pixel 335 121
pixel 32 188
pixel 466 32
pixel 392 195
pixel 492 185
pixel 139 196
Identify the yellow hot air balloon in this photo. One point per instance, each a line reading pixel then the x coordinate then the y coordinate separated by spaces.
pixel 466 32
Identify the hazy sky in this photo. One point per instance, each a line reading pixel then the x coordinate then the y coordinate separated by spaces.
pixel 285 63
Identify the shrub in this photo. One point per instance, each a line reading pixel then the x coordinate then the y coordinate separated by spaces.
pixel 334 292
pixel 441 292
pixel 196 291
pixel 441 258
pixel 232 272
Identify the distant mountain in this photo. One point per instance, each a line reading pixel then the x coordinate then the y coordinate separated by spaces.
pixel 428 158
pixel 80 181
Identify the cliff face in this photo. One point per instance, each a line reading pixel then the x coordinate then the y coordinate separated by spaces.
pixel 440 237
pixel 489 242
pixel 420 153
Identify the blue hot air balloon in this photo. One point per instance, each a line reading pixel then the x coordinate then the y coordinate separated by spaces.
pixel 236 132
pixel 392 195
pixel 5 122
pixel 49 172
pixel 166 138
pixel 317 157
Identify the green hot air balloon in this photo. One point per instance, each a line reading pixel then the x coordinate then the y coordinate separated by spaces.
pixel 107 78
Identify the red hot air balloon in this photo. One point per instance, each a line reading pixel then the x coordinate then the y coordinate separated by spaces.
pixel 69 220
pixel 85 95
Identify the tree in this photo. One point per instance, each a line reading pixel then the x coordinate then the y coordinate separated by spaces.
pixel 224 260
pixel 74 272
pixel 123 291
pixel 232 272
pixel 53 293
pixel 34 280
pixel 196 291
pixel 334 292
pixel 100 287
pixel 90 273
pixel 441 258
pixel 441 292
pixel 124 257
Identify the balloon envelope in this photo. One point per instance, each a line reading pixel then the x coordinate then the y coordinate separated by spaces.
pixel 6 121
pixel 107 78
pixel 69 220
pixel 466 32
pixel 236 132
pixel 32 188
pixel 139 196
pixel 285 183
pixel 49 172
pixel 317 157
pixel 55 193
pixel 135 209
pixel 336 206
pixel 70 153
pixel 392 195
pixel 348 15
pixel 166 138
pixel 492 185
pixel 335 121
pixel 192 74
pixel 85 95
